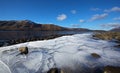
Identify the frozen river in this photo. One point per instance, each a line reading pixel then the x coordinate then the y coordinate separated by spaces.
pixel 72 54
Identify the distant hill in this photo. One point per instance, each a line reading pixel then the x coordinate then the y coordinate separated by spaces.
pixel 116 29
pixel 29 25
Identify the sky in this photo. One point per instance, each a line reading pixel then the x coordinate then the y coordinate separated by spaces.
pixel 91 14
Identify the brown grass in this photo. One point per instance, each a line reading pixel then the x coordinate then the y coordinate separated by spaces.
pixel 108 35
pixel 111 69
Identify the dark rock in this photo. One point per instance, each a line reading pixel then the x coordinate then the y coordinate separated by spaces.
pixel 55 70
pixel 95 55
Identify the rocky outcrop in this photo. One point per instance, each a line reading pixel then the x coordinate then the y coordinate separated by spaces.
pixel 23 50
pixel 95 55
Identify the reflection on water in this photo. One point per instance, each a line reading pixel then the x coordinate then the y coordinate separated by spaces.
pixel 26 35
pixel 8 35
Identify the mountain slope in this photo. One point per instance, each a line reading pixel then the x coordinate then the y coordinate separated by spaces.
pixel 116 29
pixel 27 25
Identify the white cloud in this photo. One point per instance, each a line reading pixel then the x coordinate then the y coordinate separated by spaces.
pixel 95 9
pixel 82 21
pixel 61 17
pixel 50 23
pixel 110 25
pixel 75 25
pixel 117 18
pixel 114 9
pixel 98 16
pixel 73 11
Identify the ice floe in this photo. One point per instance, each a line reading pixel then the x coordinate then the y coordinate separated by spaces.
pixel 66 52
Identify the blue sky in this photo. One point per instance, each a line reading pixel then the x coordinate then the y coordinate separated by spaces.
pixel 92 14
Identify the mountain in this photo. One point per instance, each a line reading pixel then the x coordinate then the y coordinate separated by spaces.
pixel 116 29
pixel 27 25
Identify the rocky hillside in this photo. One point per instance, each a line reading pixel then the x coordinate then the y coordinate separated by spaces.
pixel 27 25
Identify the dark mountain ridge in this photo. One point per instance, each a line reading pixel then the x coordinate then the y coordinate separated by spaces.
pixel 116 29
pixel 29 25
